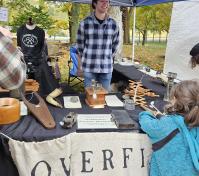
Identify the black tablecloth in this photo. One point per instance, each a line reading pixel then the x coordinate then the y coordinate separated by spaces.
pixel 28 129
pixel 126 73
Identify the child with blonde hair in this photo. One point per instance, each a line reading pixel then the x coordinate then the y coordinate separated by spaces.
pixel 175 136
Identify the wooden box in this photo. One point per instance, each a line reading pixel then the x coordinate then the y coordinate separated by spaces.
pixel 95 100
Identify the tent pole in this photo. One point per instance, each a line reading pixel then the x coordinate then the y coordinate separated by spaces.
pixel 133 36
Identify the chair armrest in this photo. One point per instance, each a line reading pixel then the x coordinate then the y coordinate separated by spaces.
pixel 69 62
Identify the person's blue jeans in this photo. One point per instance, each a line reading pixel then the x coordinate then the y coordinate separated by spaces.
pixel 103 78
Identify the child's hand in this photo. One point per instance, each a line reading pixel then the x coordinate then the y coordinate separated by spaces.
pixel 79 72
pixel 157 114
pixel 149 110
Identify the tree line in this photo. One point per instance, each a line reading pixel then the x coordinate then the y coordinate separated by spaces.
pixel 57 17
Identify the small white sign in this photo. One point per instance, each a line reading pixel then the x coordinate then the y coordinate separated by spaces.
pixel 114 101
pixel 23 109
pixel 3 14
pixel 72 102
pixel 95 121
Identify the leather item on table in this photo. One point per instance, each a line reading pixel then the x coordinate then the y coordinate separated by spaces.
pixel 40 111
pixel 9 110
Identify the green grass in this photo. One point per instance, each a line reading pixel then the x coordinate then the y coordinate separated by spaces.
pixel 152 54
pixel 156 44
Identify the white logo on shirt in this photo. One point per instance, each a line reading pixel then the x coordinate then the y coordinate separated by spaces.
pixel 30 40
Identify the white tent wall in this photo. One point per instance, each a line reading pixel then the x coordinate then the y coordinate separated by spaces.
pixel 183 35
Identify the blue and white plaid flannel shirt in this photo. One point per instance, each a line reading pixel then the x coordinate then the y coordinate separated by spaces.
pixel 97 44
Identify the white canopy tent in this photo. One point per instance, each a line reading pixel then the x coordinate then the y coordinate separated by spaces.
pixel 183 35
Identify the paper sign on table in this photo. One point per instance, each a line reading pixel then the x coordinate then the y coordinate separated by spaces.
pixel 70 103
pixel 114 101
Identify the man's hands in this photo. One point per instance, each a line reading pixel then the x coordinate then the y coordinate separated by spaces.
pixel 155 113
pixel 79 70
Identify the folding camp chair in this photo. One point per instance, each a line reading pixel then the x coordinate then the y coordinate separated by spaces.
pixel 72 76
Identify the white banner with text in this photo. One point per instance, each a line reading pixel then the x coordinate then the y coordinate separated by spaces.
pixel 84 154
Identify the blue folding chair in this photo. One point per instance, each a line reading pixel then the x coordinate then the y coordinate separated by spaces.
pixel 72 76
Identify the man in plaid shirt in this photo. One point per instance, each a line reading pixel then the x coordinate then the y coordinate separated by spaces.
pixel 12 69
pixel 97 42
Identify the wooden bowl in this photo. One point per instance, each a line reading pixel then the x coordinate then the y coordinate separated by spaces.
pixel 9 110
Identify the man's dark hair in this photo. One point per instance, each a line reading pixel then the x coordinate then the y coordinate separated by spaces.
pixel 195 56
pixel 95 2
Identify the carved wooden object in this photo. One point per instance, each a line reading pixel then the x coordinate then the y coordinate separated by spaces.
pixel 137 92
pixel 40 111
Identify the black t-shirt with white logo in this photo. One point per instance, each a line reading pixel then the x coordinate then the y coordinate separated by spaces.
pixel 31 41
